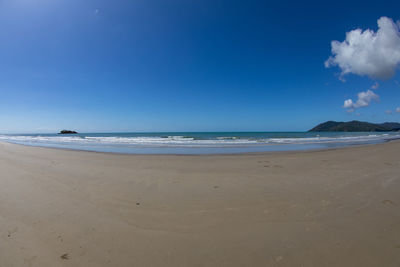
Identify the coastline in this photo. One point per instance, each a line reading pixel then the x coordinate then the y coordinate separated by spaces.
pixel 200 142
pixel 334 207
pixel 302 150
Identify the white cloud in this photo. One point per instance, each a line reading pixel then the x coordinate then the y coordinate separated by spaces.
pixel 375 54
pixel 398 110
pixel 364 100
pixel 375 86
pixel 348 103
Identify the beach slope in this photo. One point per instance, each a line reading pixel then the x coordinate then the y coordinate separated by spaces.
pixel 336 207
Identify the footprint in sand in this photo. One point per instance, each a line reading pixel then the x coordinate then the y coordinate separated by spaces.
pixel 388 201
pixel 10 233
pixel 64 256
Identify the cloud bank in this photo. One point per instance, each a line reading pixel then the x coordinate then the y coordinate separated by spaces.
pixel 374 54
pixel 364 100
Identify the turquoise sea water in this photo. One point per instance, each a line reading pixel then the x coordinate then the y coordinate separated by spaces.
pixel 200 142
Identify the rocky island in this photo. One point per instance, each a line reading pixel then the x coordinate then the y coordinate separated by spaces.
pixel 67 132
pixel 356 126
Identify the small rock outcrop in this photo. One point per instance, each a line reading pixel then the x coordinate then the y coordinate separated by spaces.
pixel 67 132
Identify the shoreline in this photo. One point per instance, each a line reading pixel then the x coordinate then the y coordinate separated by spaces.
pixel 212 154
pixel 201 143
pixel 311 208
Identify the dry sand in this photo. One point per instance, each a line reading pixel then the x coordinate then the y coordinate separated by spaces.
pixel 323 208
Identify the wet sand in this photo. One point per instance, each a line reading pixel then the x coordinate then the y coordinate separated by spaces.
pixel 319 208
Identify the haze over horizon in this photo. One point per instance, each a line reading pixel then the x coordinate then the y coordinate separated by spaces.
pixel 143 66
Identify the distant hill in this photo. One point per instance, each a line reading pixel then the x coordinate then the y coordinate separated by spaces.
pixel 356 126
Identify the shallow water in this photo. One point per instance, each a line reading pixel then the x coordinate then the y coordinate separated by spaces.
pixel 200 142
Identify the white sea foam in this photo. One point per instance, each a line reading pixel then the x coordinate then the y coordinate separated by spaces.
pixel 186 141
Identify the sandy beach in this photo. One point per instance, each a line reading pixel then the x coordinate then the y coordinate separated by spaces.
pixel 319 208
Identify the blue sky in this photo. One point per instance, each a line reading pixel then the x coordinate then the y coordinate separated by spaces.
pixel 156 65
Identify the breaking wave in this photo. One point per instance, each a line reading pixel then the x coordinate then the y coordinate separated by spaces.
pixel 191 141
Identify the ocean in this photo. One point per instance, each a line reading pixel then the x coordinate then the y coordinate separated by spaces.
pixel 200 142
